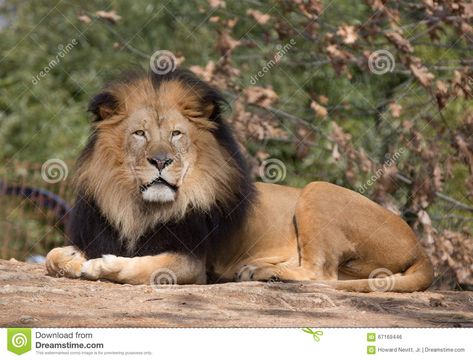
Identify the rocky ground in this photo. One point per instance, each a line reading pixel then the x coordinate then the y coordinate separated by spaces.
pixel 30 298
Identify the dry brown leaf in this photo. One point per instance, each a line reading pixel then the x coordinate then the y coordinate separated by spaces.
pixel 214 4
pixel 319 110
pixel 422 74
pixel 180 59
pixel 365 163
pixel 262 155
pixel 323 99
pixel 263 97
pixel 339 59
pixel 441 86
pixel 437 177
pixel 453 250
pixel 225 43
pixel 386 185
pixel 376 5
pixel 206 73
pixel 338 54
pixel 339 135
pixel 441 93
pixel 467 9
pixel 85 19
pixel 407 125
pixel 231 23
pixel 465 150
pixel 426 222
pixel 304 139
pixel 310 8
pixel 395 109
pixel 466 28
pixel 429 4
pixel 111 16
pixel 400 42
pixel 335 153
pixel 255 125
pixel 348 33
pixel 260 17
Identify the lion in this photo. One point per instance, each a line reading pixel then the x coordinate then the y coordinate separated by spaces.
pixel 164 192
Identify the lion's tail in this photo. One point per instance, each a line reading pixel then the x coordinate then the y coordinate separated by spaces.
pixel 417 277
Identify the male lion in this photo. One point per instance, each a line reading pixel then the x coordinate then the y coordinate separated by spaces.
pixel 162 189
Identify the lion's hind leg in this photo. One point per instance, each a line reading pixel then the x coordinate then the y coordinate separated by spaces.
pixel 323 244
pixel 65 261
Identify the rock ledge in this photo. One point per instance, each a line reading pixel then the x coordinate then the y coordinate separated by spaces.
pixel 30 298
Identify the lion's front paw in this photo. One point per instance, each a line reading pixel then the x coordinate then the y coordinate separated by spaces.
pixel 105 267
pixel 65 261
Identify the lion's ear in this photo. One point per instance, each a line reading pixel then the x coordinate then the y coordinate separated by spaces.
pixel 103 105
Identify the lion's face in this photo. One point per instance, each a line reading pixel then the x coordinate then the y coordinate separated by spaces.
pixel 155 153
pixel 159 152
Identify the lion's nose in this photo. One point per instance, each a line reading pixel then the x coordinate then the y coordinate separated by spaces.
pixel 160 161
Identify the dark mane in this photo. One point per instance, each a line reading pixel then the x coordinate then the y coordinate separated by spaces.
pixel 92 233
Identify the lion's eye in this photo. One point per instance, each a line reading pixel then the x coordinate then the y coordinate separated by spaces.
pixel 139 133
pixel 176 133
